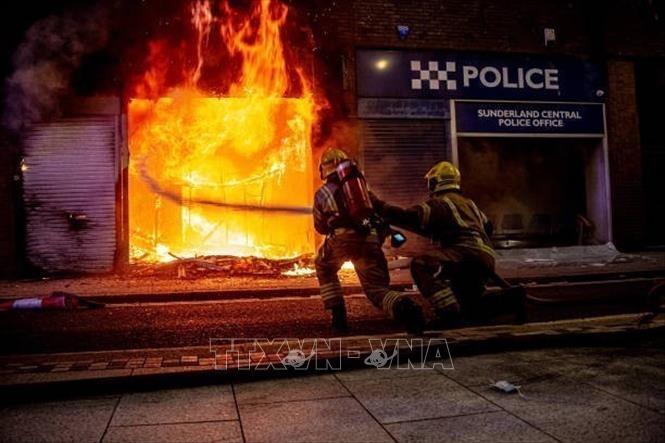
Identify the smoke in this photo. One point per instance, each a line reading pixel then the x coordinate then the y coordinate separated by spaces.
pixel 340 134
pixel 45 60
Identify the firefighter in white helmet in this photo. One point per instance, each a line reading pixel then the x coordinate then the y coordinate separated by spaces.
pixel 453 278
pixel 360 242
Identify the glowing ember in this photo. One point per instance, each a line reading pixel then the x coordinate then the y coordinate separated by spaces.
pixel 299 271
pixel 304 271
pixel 248 147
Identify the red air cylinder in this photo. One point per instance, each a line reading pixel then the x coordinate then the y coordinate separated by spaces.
pixel 355 192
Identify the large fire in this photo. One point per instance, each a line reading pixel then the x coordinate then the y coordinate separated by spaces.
pixel 194 154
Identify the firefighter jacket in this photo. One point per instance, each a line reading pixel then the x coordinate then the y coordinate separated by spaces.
pixel 448 218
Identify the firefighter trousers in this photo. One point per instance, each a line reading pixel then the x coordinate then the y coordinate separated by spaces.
pixel 365 252
pixel 452 280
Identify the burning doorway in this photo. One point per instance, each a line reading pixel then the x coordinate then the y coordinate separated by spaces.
pixel 219 150
pixel 231 173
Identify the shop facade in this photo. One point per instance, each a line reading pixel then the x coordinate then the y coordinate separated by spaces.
pixel 551 111
pixel 527 132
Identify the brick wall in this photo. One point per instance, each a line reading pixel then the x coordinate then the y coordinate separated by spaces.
pixel 498 25
pixel 630 29
pixel 621 27
pixel 625 155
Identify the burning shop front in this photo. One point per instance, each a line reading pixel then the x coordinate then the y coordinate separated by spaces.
pixel 527 132
pixel 208 154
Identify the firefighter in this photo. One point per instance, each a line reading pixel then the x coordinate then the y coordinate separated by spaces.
pixel 361 244
pixel 452 278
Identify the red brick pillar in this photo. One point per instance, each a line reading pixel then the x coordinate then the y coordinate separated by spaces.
pixel 625 156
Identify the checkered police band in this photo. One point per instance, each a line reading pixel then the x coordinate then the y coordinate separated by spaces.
pixel 431 77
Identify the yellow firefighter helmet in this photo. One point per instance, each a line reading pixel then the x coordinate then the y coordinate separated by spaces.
pixel 444 176
pixel 329 161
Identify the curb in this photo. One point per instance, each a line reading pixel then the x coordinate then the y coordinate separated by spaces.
pixel 39 374
pixel 226 294
pixel 545 291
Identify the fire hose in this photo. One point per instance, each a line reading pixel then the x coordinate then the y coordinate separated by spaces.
pixel 174 197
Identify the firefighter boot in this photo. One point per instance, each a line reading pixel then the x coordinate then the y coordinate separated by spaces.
pixel 339 323
pixel 410 315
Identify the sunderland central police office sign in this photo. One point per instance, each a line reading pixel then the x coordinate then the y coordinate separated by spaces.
pixel 478 117
pixel 442 75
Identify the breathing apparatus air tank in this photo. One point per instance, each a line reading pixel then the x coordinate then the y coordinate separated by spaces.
pixel 356 196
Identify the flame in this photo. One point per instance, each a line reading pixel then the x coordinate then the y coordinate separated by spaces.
pixel 305 271
pixel 248 146
pixel 347 266
pixel 299 271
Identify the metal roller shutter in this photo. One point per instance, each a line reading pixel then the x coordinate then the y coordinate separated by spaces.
pixel 69 194
pixel 398 153
pixel 396 156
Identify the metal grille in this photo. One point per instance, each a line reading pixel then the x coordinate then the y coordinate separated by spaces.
pixel 398 153
pixel 69 194
pixel 396 156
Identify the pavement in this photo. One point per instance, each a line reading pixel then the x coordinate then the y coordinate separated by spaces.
pixel 222 355
pixel 121 326
pixel 156 366
pixel 607 392
pixel 564 264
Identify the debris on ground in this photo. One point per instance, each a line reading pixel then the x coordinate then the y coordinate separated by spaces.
pixel 592 256
pixel 507 387
pixel 56 300
pixel 229 266
pixel 221 266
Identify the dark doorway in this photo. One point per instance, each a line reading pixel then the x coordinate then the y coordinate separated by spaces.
pixel 536 191
pixel 651 109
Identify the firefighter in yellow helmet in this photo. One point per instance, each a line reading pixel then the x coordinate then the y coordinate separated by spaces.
pixel 452 278
pixel 361 244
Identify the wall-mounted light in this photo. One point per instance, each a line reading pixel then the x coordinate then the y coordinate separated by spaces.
pixel 381 64
pixel 403 31
pixel 550 37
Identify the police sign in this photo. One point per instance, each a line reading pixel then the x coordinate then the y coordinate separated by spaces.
pixel 475 117
pixel 416 74
pixel 486 76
